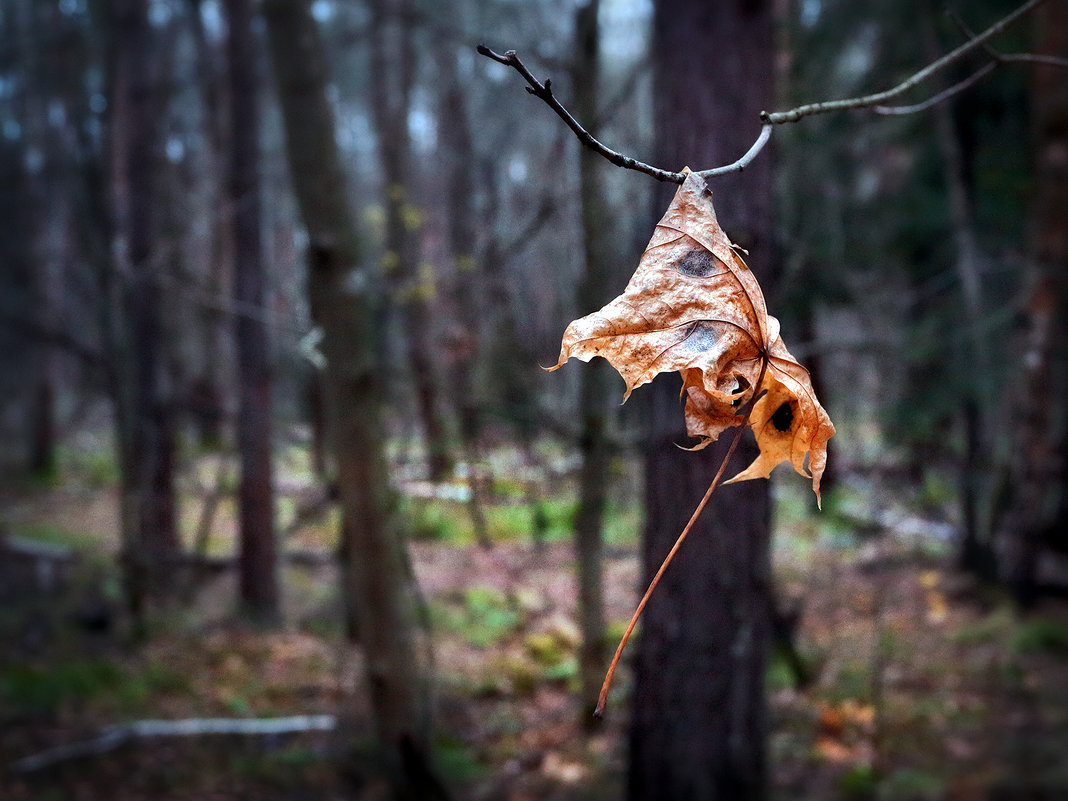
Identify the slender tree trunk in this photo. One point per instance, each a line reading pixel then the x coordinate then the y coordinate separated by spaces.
pixel 457 153
pixel 1039 514
pixel 41 445
pixel 258 573
pixel 413 281
pixel 593 292
pixel 344 301
pixel 151 558
pixel 699 723
pixel 210 389
pixel 975 554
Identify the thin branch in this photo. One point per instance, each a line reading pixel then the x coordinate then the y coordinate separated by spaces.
pixel 998 58
pixel 866 101
pixel 743 162
pixel 997 55
pixel 1036 58
pixel 544 92
pixel 945 94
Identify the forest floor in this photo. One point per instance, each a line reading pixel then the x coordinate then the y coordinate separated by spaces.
pixel 924 686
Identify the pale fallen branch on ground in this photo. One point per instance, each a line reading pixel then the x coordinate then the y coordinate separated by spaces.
pixel 115 736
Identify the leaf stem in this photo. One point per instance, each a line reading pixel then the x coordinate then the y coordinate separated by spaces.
pixel 747 412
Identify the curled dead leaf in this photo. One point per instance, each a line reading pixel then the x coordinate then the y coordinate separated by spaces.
pixel 694 306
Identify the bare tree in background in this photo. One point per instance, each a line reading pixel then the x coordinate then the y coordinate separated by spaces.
pixel 150 547
pixel 344 296
pixel 412 281
pixel 593 291
pixel 258 562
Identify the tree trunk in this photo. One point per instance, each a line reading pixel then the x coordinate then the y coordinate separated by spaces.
pixel 593 292
pixel 699 722
pixel 975 553
pixel 40 269
pixel 258 562
pixel 457 154
pixel 344 300
pixel 1039 514
pixel 210 389
pixel 149 480
pixel 412 281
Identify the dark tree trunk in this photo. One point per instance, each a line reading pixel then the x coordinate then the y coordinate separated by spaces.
pixel 593 292
pixel 1039 514
pixel 210 389
pixel 699 722
pixel 258 573
pixel 41 272
pixel 375 567
pixel 150 559
pixel 975 553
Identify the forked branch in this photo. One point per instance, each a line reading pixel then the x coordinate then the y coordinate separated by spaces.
pixel 769 119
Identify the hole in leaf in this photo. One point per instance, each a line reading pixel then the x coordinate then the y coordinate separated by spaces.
pixel 783 417
pixel 741 384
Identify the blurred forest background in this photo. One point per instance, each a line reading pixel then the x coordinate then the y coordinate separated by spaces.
pixel 280 462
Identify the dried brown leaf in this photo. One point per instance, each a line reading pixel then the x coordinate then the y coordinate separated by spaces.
pixel 694 306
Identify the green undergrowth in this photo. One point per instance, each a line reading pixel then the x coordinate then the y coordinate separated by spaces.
pixel 481 615
pixel 78 682
pixel 549 521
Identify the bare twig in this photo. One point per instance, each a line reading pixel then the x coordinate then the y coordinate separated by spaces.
pixel 998 58
pixel 544 91
pixel 997 55
pixel 1036 58
pixel 945 94
pixel 743 162
pixel 866 101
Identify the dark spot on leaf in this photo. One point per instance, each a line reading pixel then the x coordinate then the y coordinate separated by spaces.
pixel 783 417
pixel 700 336
pixel 700 264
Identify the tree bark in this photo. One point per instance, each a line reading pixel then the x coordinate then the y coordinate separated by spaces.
pixel 412 281
pixel 210 389
pixel 457 154
pixel 344 298
pixel 149 476
pixel 258 584
pixel 1039 514
pixel 592 293
pixel 699 723
pixel 975 552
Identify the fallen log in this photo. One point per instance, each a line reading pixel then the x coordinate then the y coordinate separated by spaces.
pixel 113 737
